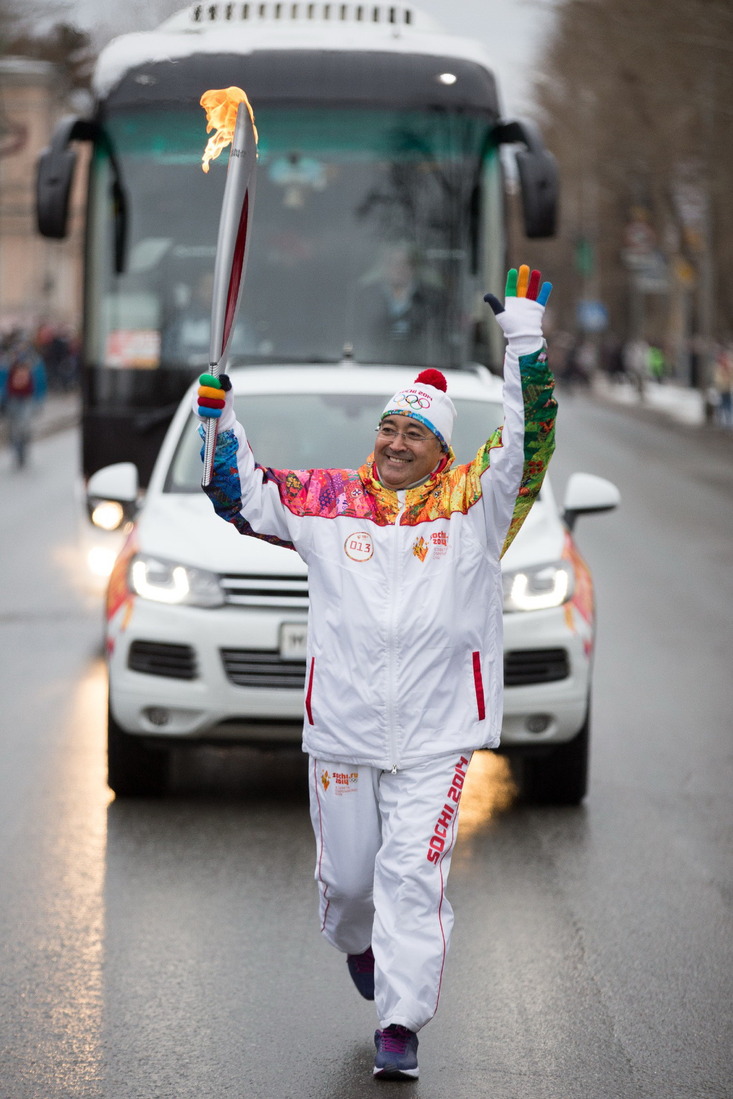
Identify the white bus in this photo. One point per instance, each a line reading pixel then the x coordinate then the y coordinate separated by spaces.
pixel 379 160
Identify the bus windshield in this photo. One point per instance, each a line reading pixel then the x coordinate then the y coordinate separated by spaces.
pixel 363 238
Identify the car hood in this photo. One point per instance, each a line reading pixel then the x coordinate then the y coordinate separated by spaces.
pixel 540 540
pixel 184 528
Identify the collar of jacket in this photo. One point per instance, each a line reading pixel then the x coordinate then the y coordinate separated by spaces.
pixel 387 499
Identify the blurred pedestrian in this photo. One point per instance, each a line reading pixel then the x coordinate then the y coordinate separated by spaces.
pixel 58 348
pixel 22 388
pixel 613 359
pixel 636 363
pixel 723 384
pixel 657 363
pixel 580 364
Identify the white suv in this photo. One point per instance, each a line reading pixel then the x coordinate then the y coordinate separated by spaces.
pixel 206 629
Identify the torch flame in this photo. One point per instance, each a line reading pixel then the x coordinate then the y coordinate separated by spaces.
pixel 221 107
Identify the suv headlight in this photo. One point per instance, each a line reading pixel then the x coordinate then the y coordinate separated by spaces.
pixel 538 588
pixel 168 582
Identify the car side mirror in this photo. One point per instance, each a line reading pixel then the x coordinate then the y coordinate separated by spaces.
pixel 587 494
pixel 112 496
pixel 116 482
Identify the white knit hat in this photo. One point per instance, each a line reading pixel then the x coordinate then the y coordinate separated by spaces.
pixel 426 400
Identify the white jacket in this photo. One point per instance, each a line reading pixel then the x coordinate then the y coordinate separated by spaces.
pixel 405 654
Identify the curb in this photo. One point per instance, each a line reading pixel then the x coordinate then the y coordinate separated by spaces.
pixel 680 408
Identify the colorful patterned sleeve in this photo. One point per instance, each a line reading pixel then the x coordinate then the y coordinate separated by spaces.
pixel 225 489
pixel 539 435
pixel 291 494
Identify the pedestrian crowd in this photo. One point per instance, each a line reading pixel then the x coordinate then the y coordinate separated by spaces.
pixel 576 360
pixel 31 365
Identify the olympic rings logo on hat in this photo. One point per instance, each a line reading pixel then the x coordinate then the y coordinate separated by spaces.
pixel 413 400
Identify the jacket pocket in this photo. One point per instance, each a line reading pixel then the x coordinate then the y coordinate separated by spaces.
pixel 309 692
pixel 478 686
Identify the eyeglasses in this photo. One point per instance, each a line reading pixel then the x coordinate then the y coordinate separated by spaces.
pixel 411 435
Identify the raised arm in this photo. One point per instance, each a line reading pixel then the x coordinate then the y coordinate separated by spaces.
pixel 523 446
pixel 241 492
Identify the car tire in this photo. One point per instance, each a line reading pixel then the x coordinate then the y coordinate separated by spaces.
pixel 561 776
pixel 133 768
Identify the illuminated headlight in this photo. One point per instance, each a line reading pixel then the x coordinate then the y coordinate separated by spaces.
pixel 538 588
pixel 108 514
pixel 100 560
pixel 168 582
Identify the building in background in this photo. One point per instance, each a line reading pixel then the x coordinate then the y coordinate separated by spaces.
pixel 40 279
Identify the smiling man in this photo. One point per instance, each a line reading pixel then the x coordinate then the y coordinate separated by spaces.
pixel 413 437
pixel 404 670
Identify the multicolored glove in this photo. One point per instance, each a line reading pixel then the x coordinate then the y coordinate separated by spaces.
pixel 213 400
pixel 521 315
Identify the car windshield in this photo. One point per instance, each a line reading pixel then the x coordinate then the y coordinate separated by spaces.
pixel 319 431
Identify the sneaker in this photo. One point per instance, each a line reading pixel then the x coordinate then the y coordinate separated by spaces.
pixel 361 968
pixel 396 1054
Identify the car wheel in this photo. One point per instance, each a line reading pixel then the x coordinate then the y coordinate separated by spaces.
pixel 561 776
pixel 133 768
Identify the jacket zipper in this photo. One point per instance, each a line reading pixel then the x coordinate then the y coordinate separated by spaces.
pixel 391 639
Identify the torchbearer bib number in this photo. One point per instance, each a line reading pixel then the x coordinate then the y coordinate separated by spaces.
pixel 359 546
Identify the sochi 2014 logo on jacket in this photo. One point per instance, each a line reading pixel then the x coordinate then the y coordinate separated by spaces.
pixel 437 545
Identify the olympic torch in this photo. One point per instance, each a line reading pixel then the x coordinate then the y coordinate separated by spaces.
pixel 230 115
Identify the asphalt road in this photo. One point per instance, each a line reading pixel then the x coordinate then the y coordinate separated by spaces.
pixel 169 950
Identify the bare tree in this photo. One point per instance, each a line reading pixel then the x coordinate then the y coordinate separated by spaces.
pixel 636 104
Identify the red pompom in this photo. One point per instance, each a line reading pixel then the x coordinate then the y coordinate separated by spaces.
pixel 434 378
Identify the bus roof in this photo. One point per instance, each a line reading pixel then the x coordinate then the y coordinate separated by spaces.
pixel 246 28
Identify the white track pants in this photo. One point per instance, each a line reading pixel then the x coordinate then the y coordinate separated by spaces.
pixel 383 849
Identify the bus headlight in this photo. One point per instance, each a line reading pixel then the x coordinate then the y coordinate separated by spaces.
pixel 169 582
pixel 538 588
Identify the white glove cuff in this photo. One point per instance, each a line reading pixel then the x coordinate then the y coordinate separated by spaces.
pixel 521 320
pixel 526 345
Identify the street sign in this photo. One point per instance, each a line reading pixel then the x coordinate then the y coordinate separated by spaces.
pixel 592 316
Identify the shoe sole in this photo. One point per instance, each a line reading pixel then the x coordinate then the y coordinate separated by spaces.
pixel 396 1073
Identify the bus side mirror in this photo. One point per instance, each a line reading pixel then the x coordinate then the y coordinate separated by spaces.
pixel 54 176
pixel 538 178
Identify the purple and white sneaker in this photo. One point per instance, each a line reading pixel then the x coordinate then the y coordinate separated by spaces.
pixel 361 968
pixel 396 1054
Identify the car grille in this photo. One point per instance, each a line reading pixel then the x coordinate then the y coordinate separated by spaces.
pixel 525 666
pixel 255 668
pixel 284 592
pixel 161 658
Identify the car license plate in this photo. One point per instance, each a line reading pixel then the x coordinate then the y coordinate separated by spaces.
pixel 293 637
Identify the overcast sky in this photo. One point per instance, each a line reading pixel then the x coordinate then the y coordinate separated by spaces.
pixel 512 31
